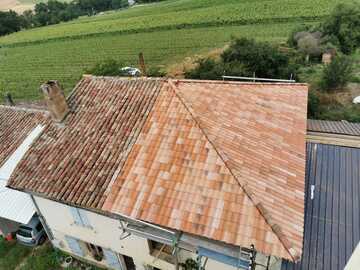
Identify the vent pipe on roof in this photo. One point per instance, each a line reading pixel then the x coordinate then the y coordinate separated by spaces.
pixel 55 100
pixel 9 100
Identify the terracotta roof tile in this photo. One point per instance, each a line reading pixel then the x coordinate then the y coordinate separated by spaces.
pixel 78 160
pixel 214 146
pixel 15 125
pixel 221 160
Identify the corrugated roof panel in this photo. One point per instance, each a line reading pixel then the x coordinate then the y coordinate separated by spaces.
pixel 332 221
pixel 15 205
pixel 336 127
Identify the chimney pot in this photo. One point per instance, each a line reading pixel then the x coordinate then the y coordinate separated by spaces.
pixel 55 100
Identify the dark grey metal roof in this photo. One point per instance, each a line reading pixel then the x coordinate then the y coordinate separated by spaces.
pixel 336 127
pixel 332 217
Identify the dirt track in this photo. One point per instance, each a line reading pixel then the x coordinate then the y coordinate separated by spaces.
pixel 14 5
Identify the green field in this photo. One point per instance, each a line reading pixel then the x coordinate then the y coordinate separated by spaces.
pixel 38 1
pixel 165 32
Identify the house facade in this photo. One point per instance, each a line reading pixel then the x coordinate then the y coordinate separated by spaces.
pixel 101 240
pixel 153 174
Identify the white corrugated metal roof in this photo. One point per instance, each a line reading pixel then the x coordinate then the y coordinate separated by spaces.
pixel 15 205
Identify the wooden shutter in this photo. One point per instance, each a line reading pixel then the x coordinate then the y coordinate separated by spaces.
pixel 74 245
pixel 112 260
pixel 76 216
pixel 84 218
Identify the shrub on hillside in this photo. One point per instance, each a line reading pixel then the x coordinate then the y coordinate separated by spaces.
pixel 246 57
pixel 337 74
pixel 343 25
pixel 109 67
pixel 207 69
pixel 313 104
pixel 155 72
pixel 261 58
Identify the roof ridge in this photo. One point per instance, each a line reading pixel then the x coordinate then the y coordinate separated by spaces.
pixel 239 82
pixel 257 203
pixel 24 109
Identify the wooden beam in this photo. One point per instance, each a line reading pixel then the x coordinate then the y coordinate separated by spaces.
pixel 333 139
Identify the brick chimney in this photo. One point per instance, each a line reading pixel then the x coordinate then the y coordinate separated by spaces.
pixel 55 100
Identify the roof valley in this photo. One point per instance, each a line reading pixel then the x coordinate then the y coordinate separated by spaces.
pixel 257 203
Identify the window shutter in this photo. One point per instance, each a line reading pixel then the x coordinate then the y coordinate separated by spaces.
pixel 112 259
pixel 76 216
pixel 74 245
pixel 84 218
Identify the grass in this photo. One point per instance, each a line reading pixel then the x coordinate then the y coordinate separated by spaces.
pixel 11 254
pixel 15 256
pixel 175 14
pixel 166 32
pixel 42 258
pixel 24 68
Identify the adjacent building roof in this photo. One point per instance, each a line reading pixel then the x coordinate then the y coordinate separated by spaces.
pixel 334 127
pixel 15 124
pixel 18 129
pixel 223 160
pixel 332 220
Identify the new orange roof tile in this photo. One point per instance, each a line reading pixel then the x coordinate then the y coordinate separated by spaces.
pixel 234 160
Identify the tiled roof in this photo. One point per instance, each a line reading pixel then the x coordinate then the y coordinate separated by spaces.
pixel 77 160
pixel 221 160
pixel 217 159
pixel 15 125
pixel 336 127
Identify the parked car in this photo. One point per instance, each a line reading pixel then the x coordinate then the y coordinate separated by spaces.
pixel 131 71
pixel 31 234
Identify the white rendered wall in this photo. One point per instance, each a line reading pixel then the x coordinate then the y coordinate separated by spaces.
pixel 106 233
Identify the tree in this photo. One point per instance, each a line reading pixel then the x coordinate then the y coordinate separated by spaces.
pixel 344 25
pixel 338 73
pixel 10 22
pixel 260 58
pixel 309 45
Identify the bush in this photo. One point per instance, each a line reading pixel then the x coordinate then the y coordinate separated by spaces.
pixel 337 74
pixel 156 72
pixel 207 69
pixel 245 57
pixel 260 58
pixel 344 26
pixel 109 67
pixel 313 104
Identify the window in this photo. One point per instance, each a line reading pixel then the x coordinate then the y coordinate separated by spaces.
pixel 129 262
pixel 39 227
pixel 161 251
pixel 80 217
pixel 74 246
pixel 95 251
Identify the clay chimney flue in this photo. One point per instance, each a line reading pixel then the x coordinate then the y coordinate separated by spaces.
pixel 55 100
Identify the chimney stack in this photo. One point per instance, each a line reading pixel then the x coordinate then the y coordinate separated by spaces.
pixel 55 100
pixel 9 100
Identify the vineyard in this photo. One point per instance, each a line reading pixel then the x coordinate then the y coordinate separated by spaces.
pixel 165 32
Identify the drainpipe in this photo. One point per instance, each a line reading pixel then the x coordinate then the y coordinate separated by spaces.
pixel 42 219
